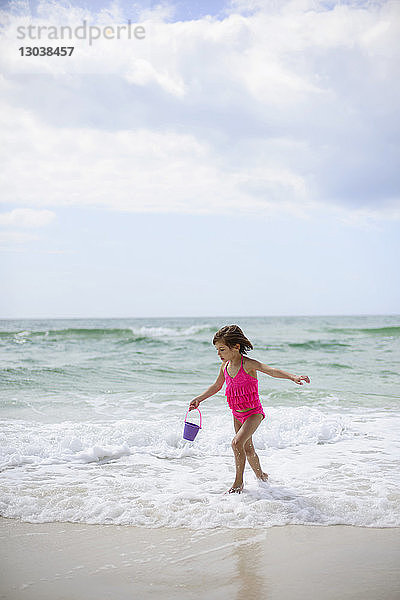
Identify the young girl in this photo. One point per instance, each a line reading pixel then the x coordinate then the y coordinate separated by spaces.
pixel 242 396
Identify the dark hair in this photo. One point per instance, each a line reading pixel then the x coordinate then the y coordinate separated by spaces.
pixel 232 335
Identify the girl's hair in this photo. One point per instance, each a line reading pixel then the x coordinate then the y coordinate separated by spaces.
pixel 232 335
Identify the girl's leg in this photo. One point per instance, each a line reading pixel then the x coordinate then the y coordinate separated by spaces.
pixel 237 425
pixel 254 461
pixel 243 433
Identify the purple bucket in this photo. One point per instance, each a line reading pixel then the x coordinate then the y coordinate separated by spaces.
pixel 191 429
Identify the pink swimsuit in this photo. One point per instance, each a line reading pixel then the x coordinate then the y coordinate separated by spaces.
pixel 242 394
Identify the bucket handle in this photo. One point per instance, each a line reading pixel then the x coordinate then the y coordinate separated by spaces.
pixel 190 411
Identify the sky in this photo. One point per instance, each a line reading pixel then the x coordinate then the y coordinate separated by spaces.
pixel 242 158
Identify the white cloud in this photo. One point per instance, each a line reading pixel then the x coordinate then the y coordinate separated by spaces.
pixel 289 106
pixel 27 217
pixel 138 170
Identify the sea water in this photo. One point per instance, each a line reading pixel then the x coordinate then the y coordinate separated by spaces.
pixel 92 415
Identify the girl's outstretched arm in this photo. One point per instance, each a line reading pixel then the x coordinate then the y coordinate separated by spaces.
pixel 259 366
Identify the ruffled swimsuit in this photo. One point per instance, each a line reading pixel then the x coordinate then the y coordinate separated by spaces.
pixel 242 394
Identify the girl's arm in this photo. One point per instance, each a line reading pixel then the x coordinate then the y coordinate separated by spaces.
pixel 213 389
pixel 258 366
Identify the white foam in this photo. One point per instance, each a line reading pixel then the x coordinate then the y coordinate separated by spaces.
pixel 158 332
pixel 324 467
pixel 20 337
pixel 97 453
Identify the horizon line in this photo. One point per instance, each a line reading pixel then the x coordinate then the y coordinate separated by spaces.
pixel 200 317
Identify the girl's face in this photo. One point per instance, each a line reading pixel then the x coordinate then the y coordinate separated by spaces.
pixel 226 353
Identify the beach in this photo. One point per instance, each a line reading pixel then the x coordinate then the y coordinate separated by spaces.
pixel 102 498
pixel 60 561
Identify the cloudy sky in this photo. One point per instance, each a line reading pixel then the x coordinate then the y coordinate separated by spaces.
pixel 241 159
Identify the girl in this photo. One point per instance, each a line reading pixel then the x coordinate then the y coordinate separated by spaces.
pixel 242 396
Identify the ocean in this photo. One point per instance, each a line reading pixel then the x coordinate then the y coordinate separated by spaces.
pixel 92 414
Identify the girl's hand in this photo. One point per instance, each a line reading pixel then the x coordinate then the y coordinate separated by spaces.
pixel 300 378
pixel 194 404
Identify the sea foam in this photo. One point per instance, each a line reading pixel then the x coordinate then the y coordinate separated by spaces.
pixel 323 469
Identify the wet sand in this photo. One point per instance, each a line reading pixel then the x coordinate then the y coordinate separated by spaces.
pixel 69 561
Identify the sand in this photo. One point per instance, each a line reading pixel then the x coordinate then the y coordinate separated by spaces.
pixel 70 561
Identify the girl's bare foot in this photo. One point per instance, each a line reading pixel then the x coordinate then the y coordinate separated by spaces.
pixel 236 489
